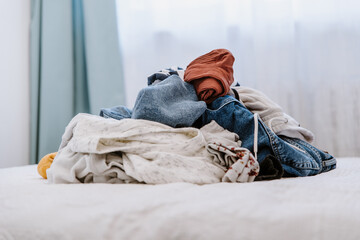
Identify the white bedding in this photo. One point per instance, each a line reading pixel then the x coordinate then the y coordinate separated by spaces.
pixel 326 206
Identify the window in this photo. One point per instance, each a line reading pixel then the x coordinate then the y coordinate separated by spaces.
pixel 303 54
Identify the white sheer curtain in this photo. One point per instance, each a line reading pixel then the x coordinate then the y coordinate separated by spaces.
pixel 304 54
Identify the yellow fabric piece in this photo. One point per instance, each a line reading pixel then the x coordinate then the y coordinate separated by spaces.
pixel 45 163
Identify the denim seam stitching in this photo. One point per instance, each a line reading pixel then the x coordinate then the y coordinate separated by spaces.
pixel 309 155
pixel 312 148
pixel 224 104
pixel 272 140
pixel 329 162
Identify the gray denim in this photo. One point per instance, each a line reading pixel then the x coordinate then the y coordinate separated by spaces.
pixel 172 102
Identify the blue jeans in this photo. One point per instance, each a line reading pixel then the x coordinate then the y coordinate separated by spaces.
pixel 298 158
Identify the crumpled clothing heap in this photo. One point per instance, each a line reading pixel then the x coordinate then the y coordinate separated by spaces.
pixel 144 147
pixel 211 74
pixel 99 150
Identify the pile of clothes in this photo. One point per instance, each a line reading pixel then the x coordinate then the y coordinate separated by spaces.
pixel 191 126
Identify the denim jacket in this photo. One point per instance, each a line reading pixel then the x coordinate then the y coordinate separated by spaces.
pixel 297 157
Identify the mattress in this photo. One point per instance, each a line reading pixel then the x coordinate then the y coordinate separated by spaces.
pixel 325 206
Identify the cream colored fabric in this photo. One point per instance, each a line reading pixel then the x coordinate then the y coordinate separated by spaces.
pixel 95 149
pixel 238 163
pixel 272 114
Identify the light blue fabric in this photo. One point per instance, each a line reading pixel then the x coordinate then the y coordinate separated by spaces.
pixel 172 102
pixel 75 66
pixel 118 112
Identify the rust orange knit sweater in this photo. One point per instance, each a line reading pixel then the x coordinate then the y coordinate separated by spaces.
pixel 211 74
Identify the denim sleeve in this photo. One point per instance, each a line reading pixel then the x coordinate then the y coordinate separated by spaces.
pixel 118 112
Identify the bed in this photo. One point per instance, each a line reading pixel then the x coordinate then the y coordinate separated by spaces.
pixel 325 206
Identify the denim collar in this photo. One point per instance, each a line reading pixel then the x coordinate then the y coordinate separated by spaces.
pixel 221 102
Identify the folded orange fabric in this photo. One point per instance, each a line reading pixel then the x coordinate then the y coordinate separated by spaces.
pixel 45 163
pixel 211 74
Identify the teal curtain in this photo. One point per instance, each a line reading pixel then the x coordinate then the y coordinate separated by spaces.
pixel 75 66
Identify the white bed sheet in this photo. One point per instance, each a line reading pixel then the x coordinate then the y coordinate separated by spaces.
pixel 326 206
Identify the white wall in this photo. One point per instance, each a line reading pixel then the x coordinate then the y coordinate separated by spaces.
pixel 14 83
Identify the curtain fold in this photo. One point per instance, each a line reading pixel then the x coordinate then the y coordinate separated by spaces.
pixel 75 66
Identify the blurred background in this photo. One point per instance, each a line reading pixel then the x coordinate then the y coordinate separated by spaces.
pixel 62 57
